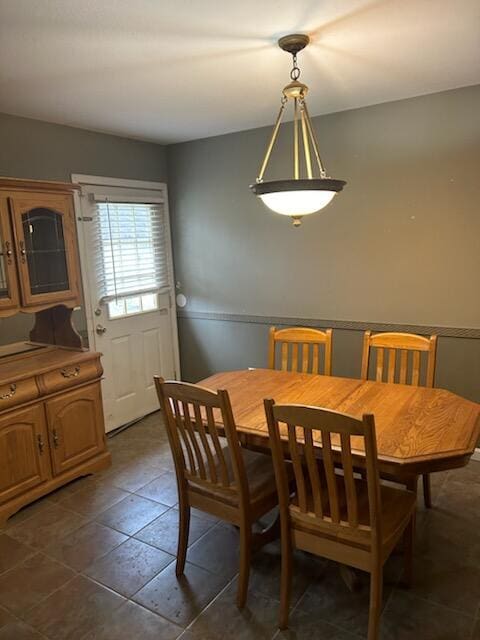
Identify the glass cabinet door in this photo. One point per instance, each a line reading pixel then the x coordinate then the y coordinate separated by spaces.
pixel 46 251
pixel 8 276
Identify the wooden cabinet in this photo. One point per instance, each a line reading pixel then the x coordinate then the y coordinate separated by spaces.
pixel 51 421
pixel 51 415
pixel 39 264
pixel 23 452
pixel 76 428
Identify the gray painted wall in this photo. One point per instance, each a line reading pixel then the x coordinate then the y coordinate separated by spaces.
pixel 43 151
pixel 400 245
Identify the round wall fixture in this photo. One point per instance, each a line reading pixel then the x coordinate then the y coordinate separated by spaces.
pixel 181 300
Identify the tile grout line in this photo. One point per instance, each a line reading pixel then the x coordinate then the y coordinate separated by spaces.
pixel 229 582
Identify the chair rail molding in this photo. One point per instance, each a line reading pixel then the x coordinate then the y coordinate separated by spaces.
pixel 353 325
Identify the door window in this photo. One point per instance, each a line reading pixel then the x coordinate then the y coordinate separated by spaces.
pixel 132 256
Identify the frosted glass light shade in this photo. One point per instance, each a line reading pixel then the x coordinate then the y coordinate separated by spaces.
pixel 299 197
pixel 297 203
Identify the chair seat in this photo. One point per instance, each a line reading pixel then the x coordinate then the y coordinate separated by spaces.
pixel 397 507
pixel 260 477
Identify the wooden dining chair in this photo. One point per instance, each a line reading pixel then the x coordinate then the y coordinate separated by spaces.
pixel 331 513
pixel 300 350
pixel 215 476
pixel 405 370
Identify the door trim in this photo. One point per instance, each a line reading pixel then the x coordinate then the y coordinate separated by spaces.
pixel 162 188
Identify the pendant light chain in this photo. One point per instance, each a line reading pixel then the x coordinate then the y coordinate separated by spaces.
pixel 295 72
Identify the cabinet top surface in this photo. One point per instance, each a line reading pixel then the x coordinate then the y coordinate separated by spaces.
pixel 27 359
pixel 18 184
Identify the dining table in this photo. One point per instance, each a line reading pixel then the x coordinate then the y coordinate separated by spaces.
pixel 419 430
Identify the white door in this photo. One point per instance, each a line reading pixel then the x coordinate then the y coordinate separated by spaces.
pixel 128 279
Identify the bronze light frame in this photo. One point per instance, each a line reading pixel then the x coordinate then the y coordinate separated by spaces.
pixel 296 91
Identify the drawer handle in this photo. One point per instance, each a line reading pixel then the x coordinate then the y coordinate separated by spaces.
pixel 70 373
pixel 55 438
pixel 41 444
pixel 10 394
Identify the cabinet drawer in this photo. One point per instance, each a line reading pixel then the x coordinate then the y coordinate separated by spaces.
pixel 15 393
pixel 70 375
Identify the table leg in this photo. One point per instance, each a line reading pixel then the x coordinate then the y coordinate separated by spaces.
pixel 412 484
pixel 350 577
pixel 269 534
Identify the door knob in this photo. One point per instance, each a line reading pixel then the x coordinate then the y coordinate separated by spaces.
pixel 100 330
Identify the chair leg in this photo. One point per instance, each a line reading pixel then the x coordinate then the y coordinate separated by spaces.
pixel 427 490
pixel 245 558
pixel 409 540
pixel 376 590
pixel 286 578
pixel 183 531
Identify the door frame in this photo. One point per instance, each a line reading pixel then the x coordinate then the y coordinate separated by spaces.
pixel 84 179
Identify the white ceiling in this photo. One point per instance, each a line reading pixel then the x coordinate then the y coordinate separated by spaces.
pixel 182 69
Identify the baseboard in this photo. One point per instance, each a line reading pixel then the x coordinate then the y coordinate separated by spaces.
pixel 476 454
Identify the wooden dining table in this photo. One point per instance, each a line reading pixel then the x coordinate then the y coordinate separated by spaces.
pixel 419 430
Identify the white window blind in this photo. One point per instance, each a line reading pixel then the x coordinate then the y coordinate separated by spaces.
pixel 131 249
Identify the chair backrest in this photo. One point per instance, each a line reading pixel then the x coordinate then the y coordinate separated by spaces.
pixel 194 438
pixel 401 370
pixel 300 349
pixel 325 489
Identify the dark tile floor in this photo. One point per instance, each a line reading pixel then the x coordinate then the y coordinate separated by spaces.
pixel 95 561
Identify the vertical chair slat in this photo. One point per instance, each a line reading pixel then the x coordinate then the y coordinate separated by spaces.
pixel 297 468
pixel 206 445
pixel 350 489
pixel 330 475
pixel 432 352
pixel 212 429
pixel 305 357
pixel 285 356
pixel 391 365
pixel 313 473
pixel 294 356
pixel 379 373
pixel 186 443
pixel 416 368
pixel 403 366
pixel 327 370
pixel 315 349
pixel 193 438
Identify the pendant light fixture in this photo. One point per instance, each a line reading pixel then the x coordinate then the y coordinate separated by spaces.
pixel 297 197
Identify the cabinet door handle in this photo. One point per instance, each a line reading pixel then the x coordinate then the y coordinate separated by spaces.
pixel 10 394
pixel 23 252
pixel 70 373
pixel 55 438
pixel 8 252
pixel 41 444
